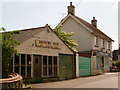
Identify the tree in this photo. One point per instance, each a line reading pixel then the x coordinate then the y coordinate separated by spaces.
pixel 65 37
pixel 8 50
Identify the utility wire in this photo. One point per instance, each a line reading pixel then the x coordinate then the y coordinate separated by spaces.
pixel 79 3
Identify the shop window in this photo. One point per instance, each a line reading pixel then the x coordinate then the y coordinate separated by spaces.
pixel 36 60
pixel 17 69
pixel 23 68
pixel 55 60
pixel 98 62
pixel 29 71
pixel 55 71
pixel 28 59
pixel 23 71
pixel 23 59
pixel 50 69
pixel 50 60
pixel 44 60
pixel 44 71
pixel 16 59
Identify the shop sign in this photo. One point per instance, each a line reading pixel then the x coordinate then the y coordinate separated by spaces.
pixel 47 44
pixel 103 54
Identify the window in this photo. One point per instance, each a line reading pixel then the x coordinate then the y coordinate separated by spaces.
pixel 17 69
pixel 102 43
pixel 96 41
pixel 22 64
pixel 55 66
pixel 23 71
pixel 108 45
pixel 45 66
pixel 23 59
pixel 50 66
pixel 36 60
pixel 16 59
pixel 28 59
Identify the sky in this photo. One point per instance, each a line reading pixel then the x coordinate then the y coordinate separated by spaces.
pixel 22 14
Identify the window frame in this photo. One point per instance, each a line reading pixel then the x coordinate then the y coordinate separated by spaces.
pixel 21 66
pixel 108 45
pixel 102 43
pixel 96 41
pixel 50 66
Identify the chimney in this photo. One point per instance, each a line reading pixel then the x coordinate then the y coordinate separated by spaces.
pixel 71 9
pixel 94 22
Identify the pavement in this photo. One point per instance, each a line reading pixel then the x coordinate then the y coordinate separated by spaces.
pixel 107 80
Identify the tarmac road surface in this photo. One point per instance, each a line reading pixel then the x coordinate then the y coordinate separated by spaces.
pixel 107 80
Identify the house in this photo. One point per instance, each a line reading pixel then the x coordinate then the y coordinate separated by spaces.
pixel 116 54
pixel 95 47
pixel 42 54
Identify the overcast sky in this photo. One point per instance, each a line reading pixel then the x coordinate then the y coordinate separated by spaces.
pixel 21 14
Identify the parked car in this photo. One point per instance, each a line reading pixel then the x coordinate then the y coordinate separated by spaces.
pixel 115 69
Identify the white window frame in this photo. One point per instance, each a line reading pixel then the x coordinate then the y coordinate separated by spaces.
pixel 109 45
pixel 102 43
pixel 96 41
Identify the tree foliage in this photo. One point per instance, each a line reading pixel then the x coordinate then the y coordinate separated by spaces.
pixel 8 50
pixel 116 63
pixel 65 37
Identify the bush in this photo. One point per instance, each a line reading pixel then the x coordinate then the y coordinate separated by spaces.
pixel 31 81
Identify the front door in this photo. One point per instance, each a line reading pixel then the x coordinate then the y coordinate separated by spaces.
pixel 102 63
pixel 37 66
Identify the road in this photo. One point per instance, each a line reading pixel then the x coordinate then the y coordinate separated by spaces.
pixel 107 80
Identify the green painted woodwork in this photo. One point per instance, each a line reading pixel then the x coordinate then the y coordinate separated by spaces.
pixel 84 66
pixel 66 66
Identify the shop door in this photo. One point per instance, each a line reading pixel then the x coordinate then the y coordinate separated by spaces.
pixel 102 63
pixel 37 66
pixel 84 66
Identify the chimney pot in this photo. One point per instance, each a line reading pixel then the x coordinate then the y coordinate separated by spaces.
pixel 70 3
pixel 94 22
pixel 71 9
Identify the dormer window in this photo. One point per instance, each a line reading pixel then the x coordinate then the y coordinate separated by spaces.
pixel 96 41
pixel 102 43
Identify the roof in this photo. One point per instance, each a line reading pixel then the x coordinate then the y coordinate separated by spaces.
pixel 25 34
pixel 89 26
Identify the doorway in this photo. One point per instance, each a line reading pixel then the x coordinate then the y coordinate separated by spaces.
pixel 102 63
pixel 37 66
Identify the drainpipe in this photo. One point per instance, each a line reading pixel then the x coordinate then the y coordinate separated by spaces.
pixel 74 68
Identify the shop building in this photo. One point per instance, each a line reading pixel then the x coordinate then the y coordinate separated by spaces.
pixel 42 54
pixel 95 47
